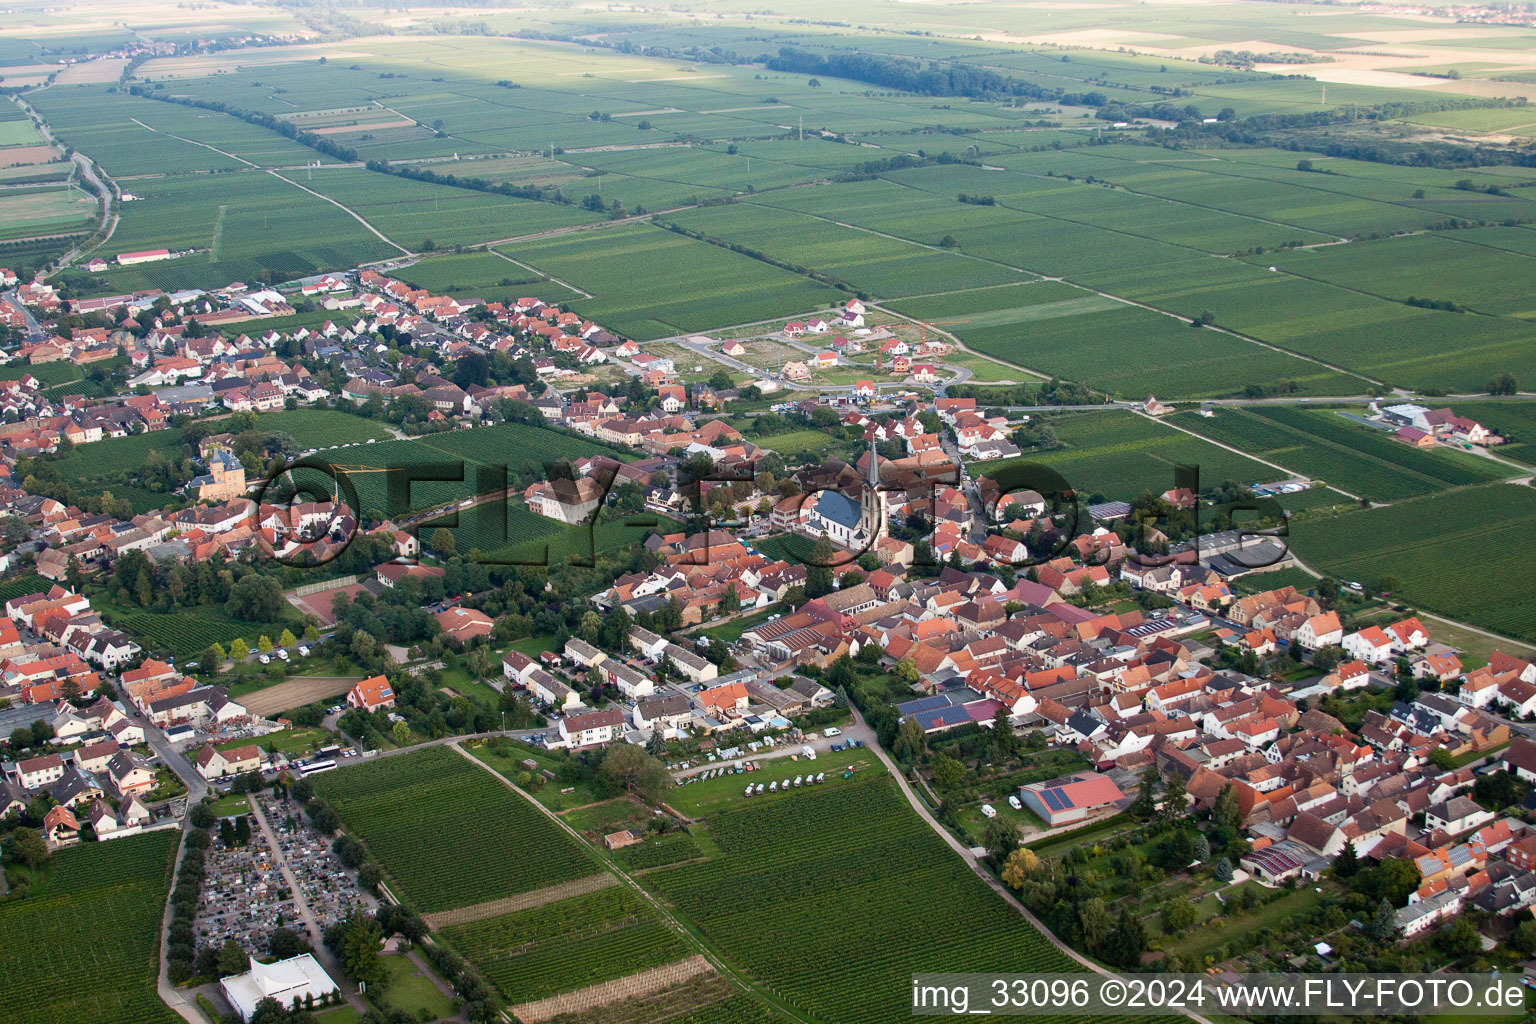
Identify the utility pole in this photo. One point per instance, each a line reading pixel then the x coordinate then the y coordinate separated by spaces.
pixel 802 127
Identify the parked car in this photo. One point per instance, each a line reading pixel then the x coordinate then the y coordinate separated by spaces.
pixel 988 810
pixel 1013 802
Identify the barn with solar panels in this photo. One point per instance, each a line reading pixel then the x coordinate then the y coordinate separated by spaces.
pixel 1070 798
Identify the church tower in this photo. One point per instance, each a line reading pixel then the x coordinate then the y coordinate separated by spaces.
pixel 872 510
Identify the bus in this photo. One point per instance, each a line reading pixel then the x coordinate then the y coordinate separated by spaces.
pixel 317 766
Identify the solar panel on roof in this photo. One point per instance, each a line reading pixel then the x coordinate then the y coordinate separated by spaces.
pixel 1055 799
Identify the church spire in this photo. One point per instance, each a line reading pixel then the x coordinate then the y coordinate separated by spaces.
pixel 873 478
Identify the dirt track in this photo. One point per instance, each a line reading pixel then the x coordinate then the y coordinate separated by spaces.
pixel 296 692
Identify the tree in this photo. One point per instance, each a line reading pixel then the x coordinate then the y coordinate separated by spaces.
pixel 360 949
pixel 1019 865
pixel 1347 863
pixel 1128 941
pixel 1383 923
pixel 402 734
pixel 1095 921
pixel 629 767
pixel 1003 741
pixel 814 83
pixel 906 671
pixel 949 242
pixel 1175 805
pixel 910 740
pixel 1146 796
pixel 947 771
pixel 818 571
pixel 1202 850
pixel 264 644
pixel 363 644
pixel 1223 870
pixel 1503 384
pixel 284 943
pixel 442 542
pixel 202 816
pixel 720 381
pixel 287 639
pixel 1442 758
pixel 1178 915
pixel 256 598
pixel 1000 837
pixel 232 959
pixel 1227 813
pixel 239 650
pixel 27 847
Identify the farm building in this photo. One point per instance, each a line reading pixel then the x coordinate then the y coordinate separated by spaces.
pixel 130 259
pixel 1067 799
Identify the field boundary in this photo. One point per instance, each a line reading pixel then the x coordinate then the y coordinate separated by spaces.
pixel 522 901
pixel 605 993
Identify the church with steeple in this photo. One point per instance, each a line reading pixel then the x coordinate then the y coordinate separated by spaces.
pixel 855 525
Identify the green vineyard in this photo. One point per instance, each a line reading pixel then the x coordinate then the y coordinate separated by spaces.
pixel 836 899
pixel 83 946
pixel 1461 554
pixel 447 832
pixel 1325 446
pixel 569 944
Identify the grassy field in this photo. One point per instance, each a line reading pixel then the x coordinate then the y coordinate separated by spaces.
pixel 115 893
pixel 428 815
pixel 1320 444
pixel 408 990
pixel 1454 553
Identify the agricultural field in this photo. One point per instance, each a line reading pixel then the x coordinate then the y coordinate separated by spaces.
pixel 113 892
pixel 861 842
pixel 1058 330
pixel 518 447
pixel 419 215
pixel 650 283
pixel 481 275
pixel 884 267
pixel 45 210
pixel 568 944
pixel 1323 445
pixel 186 635
pixel 1454 553
pixel 317 428
pixel 427 815
pixel 1119 455
pixel 246 226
